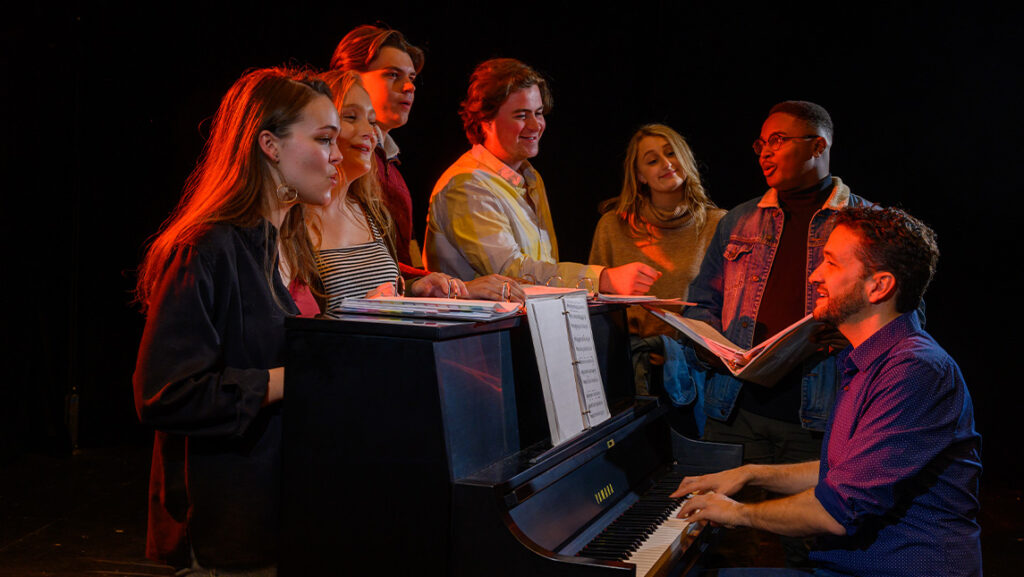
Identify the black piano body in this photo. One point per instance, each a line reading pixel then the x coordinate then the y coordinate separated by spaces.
pixel 424 446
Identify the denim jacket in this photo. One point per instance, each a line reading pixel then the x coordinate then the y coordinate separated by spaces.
pixel 728 294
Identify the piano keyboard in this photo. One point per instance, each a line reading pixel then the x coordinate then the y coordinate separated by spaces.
pixel 648 534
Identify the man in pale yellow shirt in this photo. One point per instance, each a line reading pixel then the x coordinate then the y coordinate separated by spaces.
pixel 489 211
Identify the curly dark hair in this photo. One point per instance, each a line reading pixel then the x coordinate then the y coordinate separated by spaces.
pixel 895 242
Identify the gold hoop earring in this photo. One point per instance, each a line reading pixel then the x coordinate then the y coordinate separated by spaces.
pixel 287 194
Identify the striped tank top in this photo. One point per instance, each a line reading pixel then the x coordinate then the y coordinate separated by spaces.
pixel 353 271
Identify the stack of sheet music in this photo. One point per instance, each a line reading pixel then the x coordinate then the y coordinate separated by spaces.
pixel 541 291
pixel 432 308
pixel 534 291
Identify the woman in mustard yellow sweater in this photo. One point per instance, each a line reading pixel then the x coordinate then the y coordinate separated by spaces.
pixel 662 218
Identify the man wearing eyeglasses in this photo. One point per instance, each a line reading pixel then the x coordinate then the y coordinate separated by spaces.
pixel 753 283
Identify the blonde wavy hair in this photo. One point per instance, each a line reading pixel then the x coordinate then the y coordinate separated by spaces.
pixel 635 193
pixel 366 189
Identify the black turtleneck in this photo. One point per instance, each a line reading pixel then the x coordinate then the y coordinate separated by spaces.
pixel 783 301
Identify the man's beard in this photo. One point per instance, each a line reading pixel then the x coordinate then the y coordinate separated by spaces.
pixel 841 307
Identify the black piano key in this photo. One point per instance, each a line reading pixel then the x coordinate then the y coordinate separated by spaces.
pixel 606 556
pixel 616 545
pixel 615 552
pixel 613 542
pixel 619 536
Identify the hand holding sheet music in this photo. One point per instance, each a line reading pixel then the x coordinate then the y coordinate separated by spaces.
pixel 763 364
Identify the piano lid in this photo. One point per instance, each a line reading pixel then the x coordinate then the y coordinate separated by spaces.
pixel 552 500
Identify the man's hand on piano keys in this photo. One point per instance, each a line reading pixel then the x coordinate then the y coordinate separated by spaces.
pixel 726 482
pixel 714 508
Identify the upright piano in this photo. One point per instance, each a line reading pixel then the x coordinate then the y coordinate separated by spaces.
pixel 422 447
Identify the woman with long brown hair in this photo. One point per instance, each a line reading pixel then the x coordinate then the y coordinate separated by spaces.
pixel 213 285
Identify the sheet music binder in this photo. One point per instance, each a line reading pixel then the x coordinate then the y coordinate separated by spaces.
pixel 563 341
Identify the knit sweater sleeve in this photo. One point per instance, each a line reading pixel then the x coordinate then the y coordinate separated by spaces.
pixel 602 248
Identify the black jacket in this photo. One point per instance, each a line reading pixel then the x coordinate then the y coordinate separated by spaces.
pixel 212 331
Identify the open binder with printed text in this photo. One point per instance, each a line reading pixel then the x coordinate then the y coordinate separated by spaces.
pixel 764 364
pixel 563 341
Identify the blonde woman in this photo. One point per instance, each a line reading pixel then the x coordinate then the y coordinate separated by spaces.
pixel 354 233
pixel 662 218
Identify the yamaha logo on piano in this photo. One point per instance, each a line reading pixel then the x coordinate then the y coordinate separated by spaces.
pixel 604 493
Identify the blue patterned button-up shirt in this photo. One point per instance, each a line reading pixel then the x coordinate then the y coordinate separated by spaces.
pixel 901 460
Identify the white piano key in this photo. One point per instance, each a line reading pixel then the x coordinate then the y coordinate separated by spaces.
pixel 664 543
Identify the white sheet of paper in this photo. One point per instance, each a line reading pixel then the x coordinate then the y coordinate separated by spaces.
pixel 588 371
pixel 551 344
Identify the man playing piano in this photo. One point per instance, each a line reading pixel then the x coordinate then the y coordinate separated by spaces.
pixel 895 491
pixel 754 282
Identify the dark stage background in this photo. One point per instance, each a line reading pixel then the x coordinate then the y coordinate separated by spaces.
pixel 107 104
